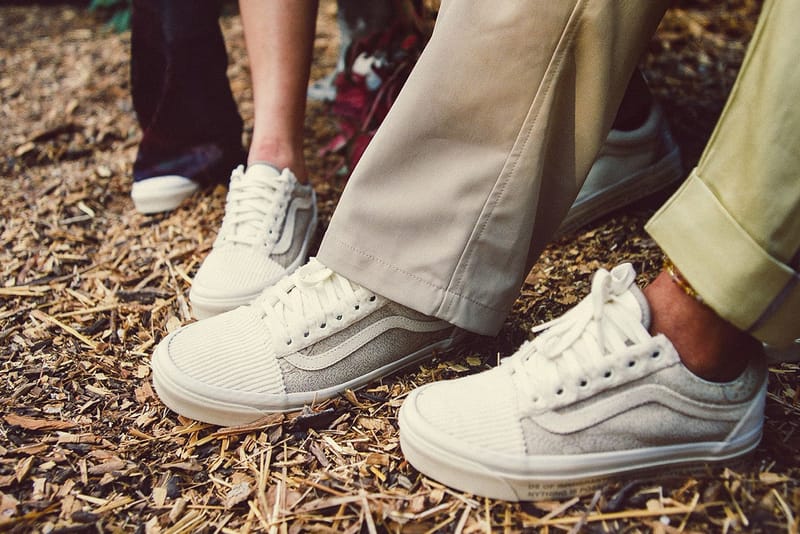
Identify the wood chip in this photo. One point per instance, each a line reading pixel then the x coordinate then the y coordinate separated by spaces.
pixel 33 423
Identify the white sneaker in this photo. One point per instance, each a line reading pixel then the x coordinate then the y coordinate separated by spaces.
pixel 310 337
pixel 594 397
pixel 269 222
pixel 161 193
pixel 631 165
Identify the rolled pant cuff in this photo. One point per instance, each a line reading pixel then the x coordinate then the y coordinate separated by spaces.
pixel 408 289
pixel 736 277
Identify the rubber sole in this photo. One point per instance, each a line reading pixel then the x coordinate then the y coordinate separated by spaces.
pixel 161 193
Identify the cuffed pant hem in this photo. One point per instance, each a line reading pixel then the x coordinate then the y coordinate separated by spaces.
pixel 735 276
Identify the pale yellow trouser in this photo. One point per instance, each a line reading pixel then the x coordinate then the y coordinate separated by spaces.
pixel 484 151
pixel 733 229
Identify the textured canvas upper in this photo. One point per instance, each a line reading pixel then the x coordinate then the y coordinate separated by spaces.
pixel 269 218
pixel 231 351
pixel 594 381
pixel 310 336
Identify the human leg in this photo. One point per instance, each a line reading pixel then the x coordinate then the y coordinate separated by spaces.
pixel 270 211
pixel 733 228
pixel 320 331
pixel 450 195
pixel 280 39
pixel 629 382
pixel 191 130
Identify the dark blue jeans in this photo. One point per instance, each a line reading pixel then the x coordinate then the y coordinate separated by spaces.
pixel 190 124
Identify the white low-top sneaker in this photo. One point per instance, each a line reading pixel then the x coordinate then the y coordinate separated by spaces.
pixel 310 337
pixel 269 222
pixel 161 193
pixel 631 165
pixel 592 398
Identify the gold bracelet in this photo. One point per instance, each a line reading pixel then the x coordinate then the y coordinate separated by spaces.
pixel 680 281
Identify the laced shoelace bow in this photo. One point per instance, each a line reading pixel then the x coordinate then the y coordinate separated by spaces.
pixel 572 350
pixel 313 297
pixel 253 208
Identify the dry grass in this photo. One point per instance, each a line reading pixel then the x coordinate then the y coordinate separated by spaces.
pixel 89 287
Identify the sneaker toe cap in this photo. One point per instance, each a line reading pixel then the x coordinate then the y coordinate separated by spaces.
pixel 232 272
pixel 470 413
pixel 222 370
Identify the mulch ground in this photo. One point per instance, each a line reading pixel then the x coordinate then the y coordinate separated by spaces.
pixel 89 287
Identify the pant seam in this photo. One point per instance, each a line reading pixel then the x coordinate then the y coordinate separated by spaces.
pixel 711 143
pixel 469 249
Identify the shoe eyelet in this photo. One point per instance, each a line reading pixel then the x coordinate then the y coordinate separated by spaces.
pixel 631 363
pixel 656 354
pixel 560 391
pixel 323 325
pixel 305 334
pixel 356 307
pixel 607 374
pixel 583 383
pixel 372 298
pixel 288 341
pixel 338 317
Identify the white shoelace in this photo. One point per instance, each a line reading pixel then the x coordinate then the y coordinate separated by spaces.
pixel 314 297
pixel 254 208
pixel 575 348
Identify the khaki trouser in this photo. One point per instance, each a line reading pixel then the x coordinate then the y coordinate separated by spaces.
pixel 733 229
pixel 484 151
pixel 490 138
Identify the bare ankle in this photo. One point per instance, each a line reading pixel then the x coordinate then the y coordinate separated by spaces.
pixel 709 346
pixel 280 156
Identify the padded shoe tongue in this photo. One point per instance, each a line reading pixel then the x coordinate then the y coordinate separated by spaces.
pixel 635 298
pixel 261 170
pixel 629 295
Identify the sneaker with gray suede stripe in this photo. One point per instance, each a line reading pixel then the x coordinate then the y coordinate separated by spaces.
pixel 594 397
pixel 310 337
pixel 269 222
pixel 631 165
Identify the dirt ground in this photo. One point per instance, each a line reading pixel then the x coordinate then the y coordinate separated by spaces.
pixel 89 287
